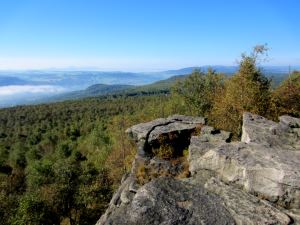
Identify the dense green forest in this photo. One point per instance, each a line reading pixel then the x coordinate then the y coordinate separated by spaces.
pixel 61 162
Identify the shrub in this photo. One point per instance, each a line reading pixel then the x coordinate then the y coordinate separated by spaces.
pixel 142 175
pixel 33 211
pixel 198 91
pixel 165 151
pixel 286 97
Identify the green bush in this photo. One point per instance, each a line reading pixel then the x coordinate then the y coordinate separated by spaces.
pixel 33 211
pixel 165 151
pixel 286 97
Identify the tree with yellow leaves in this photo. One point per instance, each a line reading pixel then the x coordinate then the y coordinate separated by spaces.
pixel 248 90
pixel 286 97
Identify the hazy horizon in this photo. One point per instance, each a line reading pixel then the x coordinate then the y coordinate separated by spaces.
pixel 94 69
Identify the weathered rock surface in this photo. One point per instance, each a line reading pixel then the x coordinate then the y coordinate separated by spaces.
pixel 283 135
pixel 199 145
pixel 266 164
pixel 170 201
pixel 153 129
pixel 245 208
pixel 255 181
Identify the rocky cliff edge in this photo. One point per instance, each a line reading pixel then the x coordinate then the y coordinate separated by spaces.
pixel 186 172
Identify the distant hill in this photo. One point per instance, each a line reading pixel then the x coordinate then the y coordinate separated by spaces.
pixel 268 70
pixel 219 69
pixel 159 87
pixel 163 86
pixel 91 91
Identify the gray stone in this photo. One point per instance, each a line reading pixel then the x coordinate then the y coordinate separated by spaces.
pixel 255 181
pixel 282 135
pixel 262 166
pixel 169 128
pixel 171 202
pixel 123 196
pixel 290 121
pixel 199 145
pixel 187 119
pixel 140 131
pixel 173 123
pixel 256 128
pixel 247 209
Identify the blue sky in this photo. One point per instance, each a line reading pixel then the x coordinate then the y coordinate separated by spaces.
pixel 141 35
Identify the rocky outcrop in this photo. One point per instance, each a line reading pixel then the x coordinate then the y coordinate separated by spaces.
pixel 265 163
pixel 254 181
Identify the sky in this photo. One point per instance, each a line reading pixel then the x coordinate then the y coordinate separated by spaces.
pixel 144 35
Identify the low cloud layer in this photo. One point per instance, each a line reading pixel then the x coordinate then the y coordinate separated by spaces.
pixel 10 90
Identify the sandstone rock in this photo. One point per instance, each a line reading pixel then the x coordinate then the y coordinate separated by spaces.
pixel 123 196
pixel 159 126
pixel 140 131
pixel 168 201
pixel 246 208
pixel 187 119
pixel 256 128
pixel 169 128
pixel 266 165
pixel 282 135
pixel 290 121
pixel 199 145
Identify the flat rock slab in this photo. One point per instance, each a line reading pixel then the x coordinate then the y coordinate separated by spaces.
pixel 141 131
pixel 173 123
pixel 170 128
pixel 166 201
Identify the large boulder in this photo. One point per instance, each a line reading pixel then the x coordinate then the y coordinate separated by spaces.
pixel 266 163
pixel 283 135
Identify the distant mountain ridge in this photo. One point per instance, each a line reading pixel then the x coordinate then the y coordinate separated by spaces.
pixel 230 69
pixel 80 84
pixel 88 78
pixel 76 79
